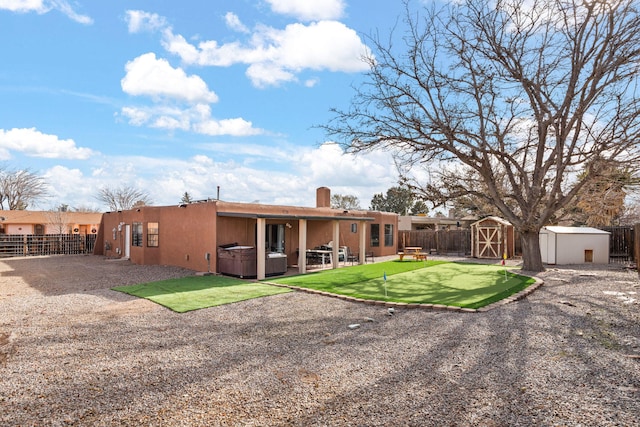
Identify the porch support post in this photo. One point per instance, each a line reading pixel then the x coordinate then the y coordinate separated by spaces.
pixel 335 256
pixel 363 242
pixel 261 230
pixel 302 246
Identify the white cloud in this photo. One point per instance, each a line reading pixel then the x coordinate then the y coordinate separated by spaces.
pixel 166 179
pixel 24 6
pixel 45 6
pixel 275 56
pixel 330 164
pixel 268 74
pixel 65 8
pixel 34 143
pixel 156 78
pixel 309 10
pixel 69 186
pixel 196 118
pixel 233 127
pixel 149 76
pixel 139 20
pixel 233 22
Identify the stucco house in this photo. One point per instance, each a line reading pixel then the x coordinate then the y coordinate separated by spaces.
pixel 574 245
pixel 21 222
pixel 195 235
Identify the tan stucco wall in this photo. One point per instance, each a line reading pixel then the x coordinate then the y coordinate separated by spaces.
pixel 187 233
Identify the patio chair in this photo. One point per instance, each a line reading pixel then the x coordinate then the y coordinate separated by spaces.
pixel 368 256
pixel 352 257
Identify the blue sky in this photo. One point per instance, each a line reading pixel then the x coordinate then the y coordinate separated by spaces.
pixel 186 96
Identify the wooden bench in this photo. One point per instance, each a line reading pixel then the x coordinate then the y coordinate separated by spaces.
pixel 418 256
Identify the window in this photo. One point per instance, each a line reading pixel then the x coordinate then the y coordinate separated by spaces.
pixel 388 234
pixel 136 234
pixel 152 234
pixel 375 235
pixel 354 227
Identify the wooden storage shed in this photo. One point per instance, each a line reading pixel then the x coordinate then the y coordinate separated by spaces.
pixel 574 245
pixel 492 237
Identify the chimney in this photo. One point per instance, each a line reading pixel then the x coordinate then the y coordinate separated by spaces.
pixel 323 197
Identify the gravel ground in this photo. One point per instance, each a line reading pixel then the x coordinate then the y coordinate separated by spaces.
pixel 73 352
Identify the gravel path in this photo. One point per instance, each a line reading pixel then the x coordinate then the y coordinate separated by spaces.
pixel 73 352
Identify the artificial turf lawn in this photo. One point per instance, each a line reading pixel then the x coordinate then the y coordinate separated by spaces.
pixel 457 284
pixel 195 292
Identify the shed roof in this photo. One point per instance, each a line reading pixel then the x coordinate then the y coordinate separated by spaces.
pixel 557 229
pixel 492 218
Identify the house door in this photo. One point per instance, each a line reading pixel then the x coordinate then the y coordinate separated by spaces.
pixel 127 241
pixel 489 242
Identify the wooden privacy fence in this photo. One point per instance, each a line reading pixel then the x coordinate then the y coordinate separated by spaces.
pixel 621 243
pixel 12 245
pixel 444 242
pixel 624 242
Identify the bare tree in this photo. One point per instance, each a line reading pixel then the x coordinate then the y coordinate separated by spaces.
pixel 123 198
pixel 602 202
pixel 84 208
pixel 345 201
pixel 20 188
pixel 525 93
pixel 59 220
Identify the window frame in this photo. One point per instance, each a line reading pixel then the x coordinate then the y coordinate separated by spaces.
pixel 136 234
pixel 153 234
pixel 388 235
pixel 375 235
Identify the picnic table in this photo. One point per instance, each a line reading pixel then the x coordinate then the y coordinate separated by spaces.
pixel 413 251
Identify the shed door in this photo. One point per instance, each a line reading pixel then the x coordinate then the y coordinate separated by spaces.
pixel 544 248
pixel 489 242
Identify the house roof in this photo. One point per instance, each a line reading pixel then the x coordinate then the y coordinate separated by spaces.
pixel 574 230
pixel 295 216
pixel 48 217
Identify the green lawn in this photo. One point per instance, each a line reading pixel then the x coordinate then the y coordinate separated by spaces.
pixel 457 284
pixel 195 292
pixel 430 282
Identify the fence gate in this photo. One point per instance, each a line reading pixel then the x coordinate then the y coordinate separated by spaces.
pixel 621 243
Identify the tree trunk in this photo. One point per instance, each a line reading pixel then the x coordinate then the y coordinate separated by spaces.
pixel 531 256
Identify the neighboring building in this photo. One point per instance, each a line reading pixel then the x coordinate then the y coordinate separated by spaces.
pixel 423 222
pixel 574 245
pixel 190 235
pixel 21 222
